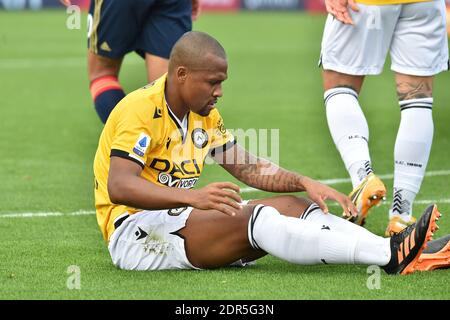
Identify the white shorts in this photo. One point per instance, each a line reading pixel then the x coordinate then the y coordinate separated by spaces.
pixel 414 34
pixel 148 240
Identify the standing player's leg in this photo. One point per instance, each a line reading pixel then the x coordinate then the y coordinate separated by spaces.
pixel 166 22
pixel 349 53
pixel 106 91
pixel 416 57
pixel 113 29
pixel 412 146
pixel 347 123
pixel 156 66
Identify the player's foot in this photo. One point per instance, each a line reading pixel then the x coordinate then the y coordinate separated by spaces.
pixel 368 194
pixel 435 256
pixel 407 246
pixel 397 224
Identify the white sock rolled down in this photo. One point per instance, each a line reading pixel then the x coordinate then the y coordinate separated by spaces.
pixel 304 242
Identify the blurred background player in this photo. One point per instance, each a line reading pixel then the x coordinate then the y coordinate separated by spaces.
pixel 355 42
pixel 115 27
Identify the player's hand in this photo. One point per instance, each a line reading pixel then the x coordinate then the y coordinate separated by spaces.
pixel 66 2
pixel 220 196
pixel 196 8
pixel 339 9
pixel 319 192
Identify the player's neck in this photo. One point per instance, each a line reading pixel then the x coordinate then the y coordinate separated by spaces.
pixel 175 102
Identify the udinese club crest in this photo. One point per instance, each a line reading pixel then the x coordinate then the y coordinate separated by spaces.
pixel 199 138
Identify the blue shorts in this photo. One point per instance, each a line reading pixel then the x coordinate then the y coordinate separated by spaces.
pixel 116 27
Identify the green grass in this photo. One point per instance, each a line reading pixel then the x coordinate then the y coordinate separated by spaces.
pixel 49 133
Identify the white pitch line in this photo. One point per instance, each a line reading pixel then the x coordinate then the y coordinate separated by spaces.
pixel 386 203
pixel 24 63
pixel 346 180
pixel 88 212
pixel 243 190
pixel 46 214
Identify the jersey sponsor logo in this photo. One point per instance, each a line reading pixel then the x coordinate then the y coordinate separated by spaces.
pixel 174 182
pixel 199 138
pixel 141 145
pixel 186 167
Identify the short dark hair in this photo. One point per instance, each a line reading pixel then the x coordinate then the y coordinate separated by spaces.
pixel 191 49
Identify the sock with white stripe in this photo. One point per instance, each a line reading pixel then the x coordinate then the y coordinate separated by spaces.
pixel 412 150
pixel 305 242
pixel 350 132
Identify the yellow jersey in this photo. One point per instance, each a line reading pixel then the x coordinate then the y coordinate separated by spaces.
pixel 143 129
pixel 384 2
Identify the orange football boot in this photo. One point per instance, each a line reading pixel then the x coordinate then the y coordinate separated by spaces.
pixel 435 256
pixel 397 224
pixel 407 246
pixel 368 194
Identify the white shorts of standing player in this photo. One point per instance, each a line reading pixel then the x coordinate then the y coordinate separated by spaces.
pixel 414 34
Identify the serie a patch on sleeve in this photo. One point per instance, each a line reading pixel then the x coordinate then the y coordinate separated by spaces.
pixel 141 145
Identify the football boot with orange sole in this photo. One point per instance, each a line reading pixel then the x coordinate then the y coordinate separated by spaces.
pixel 370 192
pixel 408 245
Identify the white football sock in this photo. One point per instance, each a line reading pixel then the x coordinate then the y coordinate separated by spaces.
pixel 402 204
pixel 364 251
pixel 350 132
pixel 412 150
pixel 304 242
pixel 315 215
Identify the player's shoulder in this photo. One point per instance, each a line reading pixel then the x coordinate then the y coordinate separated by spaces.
pixel 143 101
pixel 214 116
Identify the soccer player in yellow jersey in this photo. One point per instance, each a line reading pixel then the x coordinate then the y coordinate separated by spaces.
pixel 356 40
pixel 151 152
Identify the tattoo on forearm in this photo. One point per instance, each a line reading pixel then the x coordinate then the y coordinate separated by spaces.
pixel 264 175
pixel 408 90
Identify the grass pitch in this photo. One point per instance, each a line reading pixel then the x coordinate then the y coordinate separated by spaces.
pixel 49 133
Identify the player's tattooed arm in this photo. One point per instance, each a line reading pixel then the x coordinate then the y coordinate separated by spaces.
pixel 409 87
pixel 265 175
pixel 257 172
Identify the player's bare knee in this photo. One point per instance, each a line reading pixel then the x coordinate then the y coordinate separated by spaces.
pixel 413 87
pixel 99 66
pixel 333 79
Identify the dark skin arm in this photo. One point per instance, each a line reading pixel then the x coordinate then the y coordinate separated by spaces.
pixel 262 174
pixel 127 187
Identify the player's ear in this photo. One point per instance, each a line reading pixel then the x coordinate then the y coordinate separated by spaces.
pixel 181 74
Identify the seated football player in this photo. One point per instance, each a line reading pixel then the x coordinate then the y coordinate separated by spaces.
pixel 151 153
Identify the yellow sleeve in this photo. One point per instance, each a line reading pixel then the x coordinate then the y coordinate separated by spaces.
pixel 221 138
pixel 133 137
